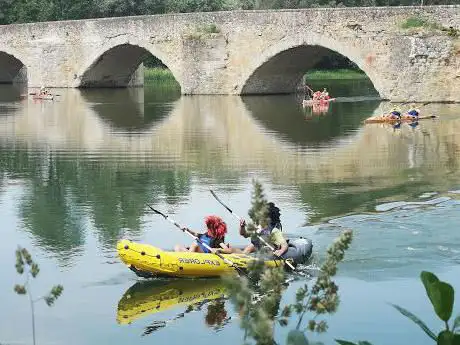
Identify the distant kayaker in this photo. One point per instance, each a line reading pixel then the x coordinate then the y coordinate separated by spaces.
pixel 394 114
pixel 271 232
pixel 213 237
pixel 324 94
pixel 413 113
pixel 43 91
pixel 317 95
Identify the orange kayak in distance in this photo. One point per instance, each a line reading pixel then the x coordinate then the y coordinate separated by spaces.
pixel 384 119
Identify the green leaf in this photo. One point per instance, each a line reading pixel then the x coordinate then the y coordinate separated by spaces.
pixel 442 298
pixel 456 339
pixel 441 295
pixel 416 320
pixel 456 323
pixel 344 342
pixel 296 337
pixel 364 343
pixel 428 278
pixel 448 338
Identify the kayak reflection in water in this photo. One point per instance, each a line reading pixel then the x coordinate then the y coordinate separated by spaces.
pixel 216 317
pixel 145 298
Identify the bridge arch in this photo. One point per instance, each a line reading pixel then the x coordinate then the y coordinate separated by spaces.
pixel 114 64
pixel 12 68
pixel 281 66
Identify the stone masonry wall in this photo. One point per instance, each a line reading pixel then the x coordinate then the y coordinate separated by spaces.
pixel 250 51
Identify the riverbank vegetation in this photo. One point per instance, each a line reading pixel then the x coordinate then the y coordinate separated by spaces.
pixel 22 11
pixel 335 74
pixel 164 76
pixel 159 74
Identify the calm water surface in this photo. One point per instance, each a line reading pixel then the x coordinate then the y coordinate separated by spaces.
pixel 77 173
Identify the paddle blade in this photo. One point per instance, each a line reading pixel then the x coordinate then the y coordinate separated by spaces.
pixel 157 212
pixel 220 201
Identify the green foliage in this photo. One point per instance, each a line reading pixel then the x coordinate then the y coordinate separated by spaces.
pixel 26 265
pixel 199 5
pixel 259 207
pixel 258 299
pixel 417 22
pixel 323 297
pixel 416 320
pixel 414 22
pixel 440 294
pixel 158 74
pixel 448 338
pixel 456 325
pixel 296 337
pixel 451 31
pixel 202 31
pixel 21 11
pixel 210 29
pixel 258 313
pixel 335 74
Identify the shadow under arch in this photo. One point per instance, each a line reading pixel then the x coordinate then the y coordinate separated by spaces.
pixel 280 68
pixel 115 65
pixel 12 69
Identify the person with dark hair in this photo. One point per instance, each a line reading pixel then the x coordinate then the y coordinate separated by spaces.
pixel 213 237
pixel 270 232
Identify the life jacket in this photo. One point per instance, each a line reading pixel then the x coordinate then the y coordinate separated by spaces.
pixel 212 242
pixel 396 113
pixel 317 95
pixel 265 235
pixel 413 112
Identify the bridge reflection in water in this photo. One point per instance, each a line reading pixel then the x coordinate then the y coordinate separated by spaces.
pixel 234 135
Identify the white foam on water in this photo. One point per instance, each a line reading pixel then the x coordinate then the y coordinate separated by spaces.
pixel 427 195
pixel 410 204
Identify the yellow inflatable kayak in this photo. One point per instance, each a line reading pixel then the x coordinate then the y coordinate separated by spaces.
pixel 149 261
pixel 150 297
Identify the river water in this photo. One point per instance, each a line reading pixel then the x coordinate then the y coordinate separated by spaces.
pixel 77 173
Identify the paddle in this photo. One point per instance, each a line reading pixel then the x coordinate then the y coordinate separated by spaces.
pixel 228 262
pixel 35 93
pixel 259 237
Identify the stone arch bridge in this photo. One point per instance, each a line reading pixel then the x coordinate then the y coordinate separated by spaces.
pixel 242 52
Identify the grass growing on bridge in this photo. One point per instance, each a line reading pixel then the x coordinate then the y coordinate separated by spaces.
pixel 335 74
pixel 416 22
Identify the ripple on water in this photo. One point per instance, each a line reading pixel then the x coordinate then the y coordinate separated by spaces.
pixel 410 204
pixel 400 242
